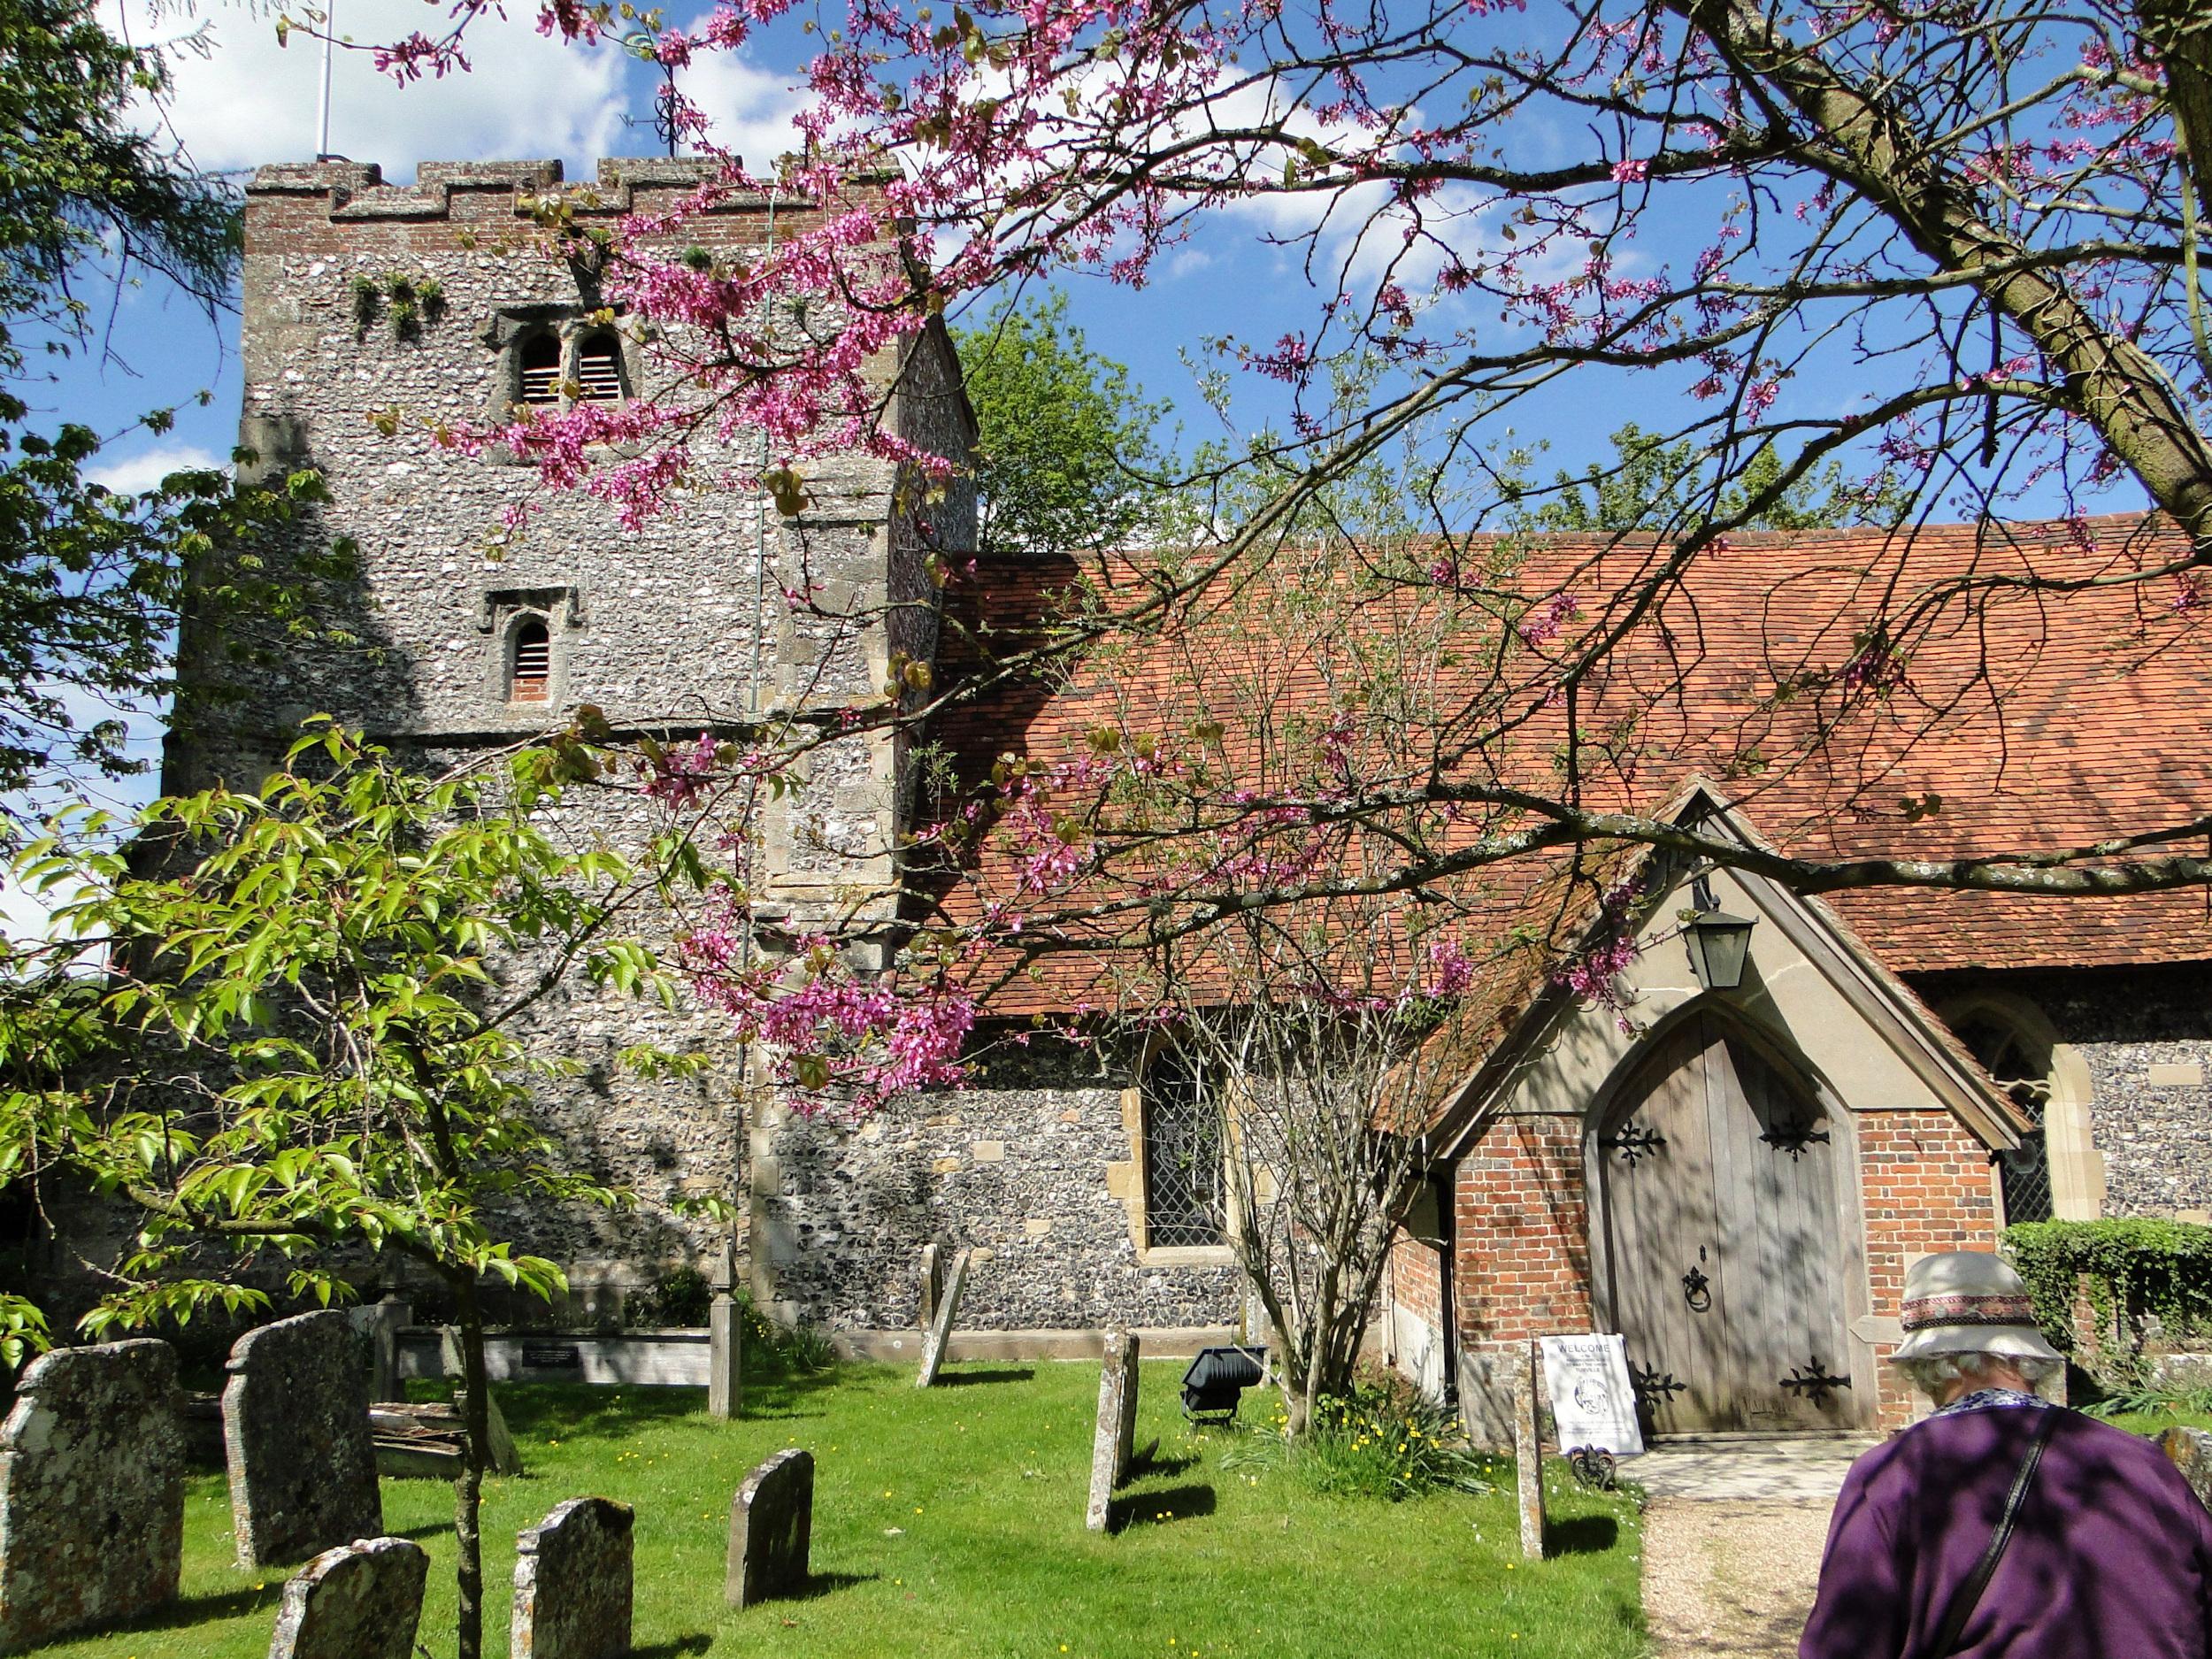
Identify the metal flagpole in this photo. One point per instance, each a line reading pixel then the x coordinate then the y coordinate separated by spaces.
pixel 322 121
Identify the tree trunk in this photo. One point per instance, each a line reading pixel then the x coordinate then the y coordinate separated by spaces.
pixel 468 1491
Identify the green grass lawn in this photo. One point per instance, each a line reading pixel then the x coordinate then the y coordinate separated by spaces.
pixel 950 1522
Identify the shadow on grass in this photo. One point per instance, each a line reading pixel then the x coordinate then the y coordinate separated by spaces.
pixel 1157 1508
pixel 200 1610
pixel 821 1584
pixel 427 1528
pixel 1582 1535
pixel 973 1378
pixel 1148 1462
pixel 698 1641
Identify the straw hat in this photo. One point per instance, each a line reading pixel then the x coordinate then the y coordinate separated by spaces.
pixel 1969 1302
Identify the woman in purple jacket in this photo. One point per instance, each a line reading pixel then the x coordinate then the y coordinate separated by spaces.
pixel 2108 1555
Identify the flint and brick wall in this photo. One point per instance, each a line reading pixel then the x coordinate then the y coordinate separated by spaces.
pixel 1027 1170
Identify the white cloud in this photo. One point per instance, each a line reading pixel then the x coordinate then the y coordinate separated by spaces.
pixel 130 473
pixel 750 108
pixel 239 99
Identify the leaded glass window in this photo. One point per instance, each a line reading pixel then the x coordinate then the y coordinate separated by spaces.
pixel 1185 1188
pixel 2022 1068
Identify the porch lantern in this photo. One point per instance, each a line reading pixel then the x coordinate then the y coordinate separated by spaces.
pixel 1718 942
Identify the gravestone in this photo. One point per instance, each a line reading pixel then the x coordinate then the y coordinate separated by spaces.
pixel 771 1526
pixel 384 1321
pixel 500 1454
pixel 295 1434
pixel 1113 1443
pixel 933 1283
pixel 1528 1457
pixel 91 1490
pixel 940 1329
pixel 360 1600
pixel 725 1356
pixel 572 1583
pixel 2191 1450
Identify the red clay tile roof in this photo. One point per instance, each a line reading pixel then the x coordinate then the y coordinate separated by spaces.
pixel 2042 720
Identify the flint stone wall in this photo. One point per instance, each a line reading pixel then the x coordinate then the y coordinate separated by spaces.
pixel 2143 1033
pixel 91 1491
pixel 295 1434
pixel 573 1583
pixel 360 1600
pixel 1030 1170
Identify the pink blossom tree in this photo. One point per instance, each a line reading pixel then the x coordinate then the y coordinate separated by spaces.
pixel 1955 252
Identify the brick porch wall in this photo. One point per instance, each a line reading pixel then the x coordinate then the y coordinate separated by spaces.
pixel 1925 1185
pixel 1521 1258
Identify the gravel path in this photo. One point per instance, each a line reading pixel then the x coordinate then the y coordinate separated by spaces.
pixel 1730 1578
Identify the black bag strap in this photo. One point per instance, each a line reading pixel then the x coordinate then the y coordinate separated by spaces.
pixel 1969 1594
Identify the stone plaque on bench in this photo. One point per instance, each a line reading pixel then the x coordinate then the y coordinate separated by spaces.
pixel 91 1491
pixel 771 1528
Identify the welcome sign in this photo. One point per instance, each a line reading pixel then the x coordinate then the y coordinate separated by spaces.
pixel 1591 1403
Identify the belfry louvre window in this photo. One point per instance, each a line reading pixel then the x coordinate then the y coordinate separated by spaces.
pixel 1184 1178
pixel 599 369
pixel 533 671
pixel 541 369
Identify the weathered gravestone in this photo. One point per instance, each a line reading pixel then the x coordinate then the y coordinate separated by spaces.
pixel 572 1583
pixel 360 1600
pixel 771 1526
pixel 295 1434
pixel 384 1321
pixel 1528 1456
pixel 1115 1441
pixel 940 1328
pixel 91 1491
pixel 2191 1450
pixel 501 1456
pixel 933 1283
pixel 726 1356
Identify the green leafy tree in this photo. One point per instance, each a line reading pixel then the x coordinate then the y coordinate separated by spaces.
pixel 92 582
pixel 1066 455
pixel 304 1044
pixel 1651 484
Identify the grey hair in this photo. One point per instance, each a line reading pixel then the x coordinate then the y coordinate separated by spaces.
pixel 1931 1371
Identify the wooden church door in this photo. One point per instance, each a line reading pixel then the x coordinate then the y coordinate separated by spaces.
pixel 1725 1253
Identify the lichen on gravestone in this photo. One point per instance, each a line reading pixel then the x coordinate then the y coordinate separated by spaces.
pixel 91 1491
pixel 296 1438
pixel 360 1600
pixel 573 1583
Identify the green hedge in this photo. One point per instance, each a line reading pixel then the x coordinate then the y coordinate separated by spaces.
pixel 2135 1267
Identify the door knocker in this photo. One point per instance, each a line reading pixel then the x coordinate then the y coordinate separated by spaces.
pixel 1697 1290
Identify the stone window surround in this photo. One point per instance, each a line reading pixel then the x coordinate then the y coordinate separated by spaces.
pixel 2077 1168
pixel 501 614
pixel 1126 1181
pixel 511 326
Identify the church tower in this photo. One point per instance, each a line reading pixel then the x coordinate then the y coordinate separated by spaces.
pixel 377 315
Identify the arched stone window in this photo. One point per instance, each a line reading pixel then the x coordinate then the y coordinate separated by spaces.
pixel 1186 1185
pixel 530 661
pixel 2019 1059
pixel 538 361
pixel 599 368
